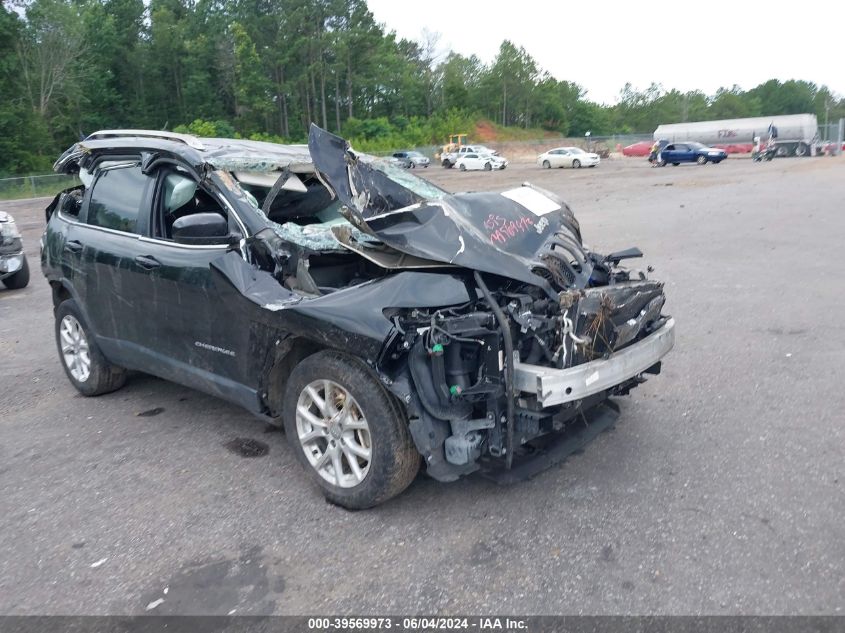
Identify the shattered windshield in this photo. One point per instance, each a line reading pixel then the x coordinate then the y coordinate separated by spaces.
pixel 315 236
pixel 405 179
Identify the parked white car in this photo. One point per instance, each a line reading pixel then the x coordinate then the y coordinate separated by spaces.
pixel 567 157
pixel 487 162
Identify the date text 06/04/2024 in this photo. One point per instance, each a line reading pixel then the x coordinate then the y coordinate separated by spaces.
pixel 417 624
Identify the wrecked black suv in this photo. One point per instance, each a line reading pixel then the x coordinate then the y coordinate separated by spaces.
pixel 378 316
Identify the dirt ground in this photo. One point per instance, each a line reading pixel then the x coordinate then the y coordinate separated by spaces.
pixel 721 490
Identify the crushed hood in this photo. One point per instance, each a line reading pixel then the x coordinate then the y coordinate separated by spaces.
pixel 527 233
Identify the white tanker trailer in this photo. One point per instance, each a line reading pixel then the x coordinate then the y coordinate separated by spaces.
pixel 797 134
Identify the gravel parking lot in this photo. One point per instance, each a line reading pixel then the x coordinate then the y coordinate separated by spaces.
pixel 720 491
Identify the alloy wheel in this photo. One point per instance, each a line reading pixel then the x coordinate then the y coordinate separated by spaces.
pixel 333 433
pixel 75 350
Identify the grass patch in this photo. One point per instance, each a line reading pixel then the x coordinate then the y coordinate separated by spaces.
pixel 35 186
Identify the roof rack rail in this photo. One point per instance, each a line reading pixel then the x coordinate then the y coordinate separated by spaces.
pixel 187 139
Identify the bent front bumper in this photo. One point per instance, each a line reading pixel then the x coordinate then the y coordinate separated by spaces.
pixel 557 386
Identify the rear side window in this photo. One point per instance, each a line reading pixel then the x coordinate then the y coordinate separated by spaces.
pixel 116 198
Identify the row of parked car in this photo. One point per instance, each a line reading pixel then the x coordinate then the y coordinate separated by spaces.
pixel 480 157
pixel 466 158
pixel 643 148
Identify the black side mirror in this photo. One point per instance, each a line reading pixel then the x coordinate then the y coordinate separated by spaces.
pixel 201 229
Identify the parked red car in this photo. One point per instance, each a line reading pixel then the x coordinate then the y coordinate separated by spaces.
pixel 829 146
pixel 643 148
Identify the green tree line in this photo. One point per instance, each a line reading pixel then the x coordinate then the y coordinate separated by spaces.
pixel 266 69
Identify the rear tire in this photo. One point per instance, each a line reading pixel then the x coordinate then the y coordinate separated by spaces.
pixel 447 164
pixel 20 279
pixel 86 367
pixel 337 412
pixel 801 150
pixel 675 164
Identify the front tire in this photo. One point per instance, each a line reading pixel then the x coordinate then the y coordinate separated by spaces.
pixel 547 164
pixel 701 160
pixel 488 167
pixel 20 279
pixel 347 431
pixel 86 367
pixel 463 167
pixel 576 164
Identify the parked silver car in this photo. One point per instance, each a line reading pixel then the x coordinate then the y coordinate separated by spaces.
pixel 412 159
pixel 14 269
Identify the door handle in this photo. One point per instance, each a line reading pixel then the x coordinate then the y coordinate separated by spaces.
pixel 73 246
pixel 147 262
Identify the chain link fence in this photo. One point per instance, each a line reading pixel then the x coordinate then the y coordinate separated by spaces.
pixel 35 186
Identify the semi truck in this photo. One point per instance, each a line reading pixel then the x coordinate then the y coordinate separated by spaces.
pixel 795 134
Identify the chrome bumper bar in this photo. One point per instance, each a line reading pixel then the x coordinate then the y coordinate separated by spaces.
pixel 556 386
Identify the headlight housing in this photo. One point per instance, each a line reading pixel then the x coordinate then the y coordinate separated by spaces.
pixel 8 228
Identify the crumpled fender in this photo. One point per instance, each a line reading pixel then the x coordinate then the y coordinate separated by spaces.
pixel 349 319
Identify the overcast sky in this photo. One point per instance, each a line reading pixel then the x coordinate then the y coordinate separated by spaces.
pixel 681 44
